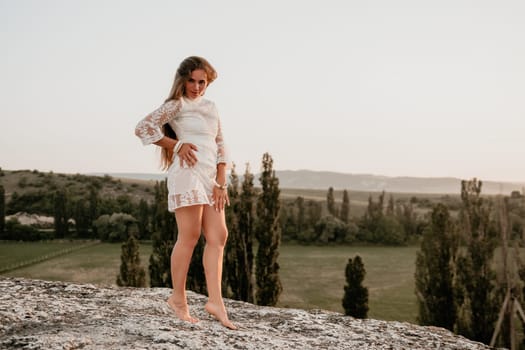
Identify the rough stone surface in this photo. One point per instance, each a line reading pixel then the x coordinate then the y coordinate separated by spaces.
pixel 38 314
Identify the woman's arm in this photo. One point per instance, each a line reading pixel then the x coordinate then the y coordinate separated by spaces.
pixel 220 190
pixel 166 142
pixel 221 174
pixel 222 153
pixel 149 129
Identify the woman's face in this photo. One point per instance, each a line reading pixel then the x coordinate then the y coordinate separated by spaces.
pixel 196 84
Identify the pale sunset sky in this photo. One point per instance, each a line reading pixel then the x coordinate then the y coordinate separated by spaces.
pixel 385 87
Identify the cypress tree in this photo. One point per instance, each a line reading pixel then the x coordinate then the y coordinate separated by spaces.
pixel 355 299
pixel 81 216
pixel 93 207
pixel 370 221
pixel 478 299
pixel 246 224
pixel 374 210
pixel 143 219
pixel 301 215
pixel 345 208
pixel 132 274
pixel 163 239
pixel 2 210
pixel 407 217
pixel 230 254
pixel 235 255
pixel 330 201
pixel 435 271
pixel 60 214
pixel 315 212
pixel 268 235
pixel 390 206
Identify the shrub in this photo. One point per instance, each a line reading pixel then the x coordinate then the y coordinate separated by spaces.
pixel 355 300
pixel 114 228
pixel 14 230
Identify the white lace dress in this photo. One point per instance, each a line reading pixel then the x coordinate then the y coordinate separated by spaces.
pixel 194 121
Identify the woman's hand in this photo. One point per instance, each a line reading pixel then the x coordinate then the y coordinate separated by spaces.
pixel 220 198
pixel 187 154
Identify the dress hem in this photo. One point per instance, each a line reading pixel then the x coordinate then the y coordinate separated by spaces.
pixel 193 197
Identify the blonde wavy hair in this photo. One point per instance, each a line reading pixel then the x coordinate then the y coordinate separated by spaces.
pixel 182 75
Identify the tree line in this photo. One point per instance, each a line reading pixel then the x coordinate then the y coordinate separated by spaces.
pixel 459 283
pixel 384 222
pixel 93 212
pixel 86 207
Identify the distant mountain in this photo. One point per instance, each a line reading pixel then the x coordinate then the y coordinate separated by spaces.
pixel 374 183
pixel 308 179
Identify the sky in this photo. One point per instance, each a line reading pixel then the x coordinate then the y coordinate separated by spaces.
pixel 384 87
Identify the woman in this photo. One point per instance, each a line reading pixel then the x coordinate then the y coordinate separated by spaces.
pixel 188 129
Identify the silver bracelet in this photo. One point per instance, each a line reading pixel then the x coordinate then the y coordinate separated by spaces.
pixel 221 187
pixel 178 146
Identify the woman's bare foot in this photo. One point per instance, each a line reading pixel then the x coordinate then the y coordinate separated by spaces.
pixel 219 312
pixel 181 310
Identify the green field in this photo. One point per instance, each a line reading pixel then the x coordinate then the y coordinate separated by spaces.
pixel 15 252
pixel 95 264
pixel 312 276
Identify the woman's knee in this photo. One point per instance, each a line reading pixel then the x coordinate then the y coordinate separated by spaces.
pixel 188 237
pixel 217 237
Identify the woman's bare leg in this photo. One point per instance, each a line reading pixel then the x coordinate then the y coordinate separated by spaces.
pixel 189 221
pixel 215 232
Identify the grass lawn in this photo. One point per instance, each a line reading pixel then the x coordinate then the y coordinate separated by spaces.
pixel 314 277
pixel 17 252
pixel 98 264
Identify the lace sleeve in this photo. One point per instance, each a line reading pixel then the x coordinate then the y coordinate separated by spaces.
pixel 149 128
pixel 222 153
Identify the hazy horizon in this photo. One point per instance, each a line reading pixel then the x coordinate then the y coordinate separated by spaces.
pixel 405 88
pixel 307 180
pixel 325 171
pixel 240 171
pixel 162 173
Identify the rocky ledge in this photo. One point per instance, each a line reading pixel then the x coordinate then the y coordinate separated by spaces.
pixel 38 314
